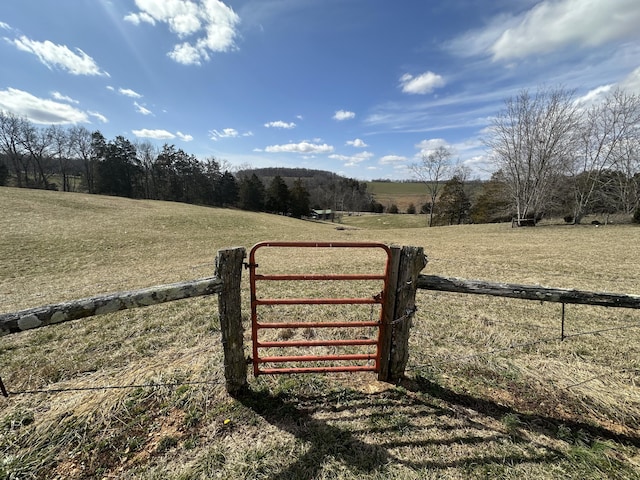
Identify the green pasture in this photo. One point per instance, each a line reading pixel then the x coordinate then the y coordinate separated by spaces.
pixel 491 391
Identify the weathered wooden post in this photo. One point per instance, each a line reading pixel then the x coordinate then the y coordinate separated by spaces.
pixel 229 270
pixel 406 265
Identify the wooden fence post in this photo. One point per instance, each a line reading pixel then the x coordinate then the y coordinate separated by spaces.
pixel 229 269
pixel 410 263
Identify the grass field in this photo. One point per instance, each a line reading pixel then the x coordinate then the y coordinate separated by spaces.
pixel 491 391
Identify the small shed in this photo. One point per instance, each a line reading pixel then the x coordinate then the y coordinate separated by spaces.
pixel 322 214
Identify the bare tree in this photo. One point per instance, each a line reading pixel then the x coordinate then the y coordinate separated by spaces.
pixel 37 142
pixel 11 128
pixel 61 150
pixel 607 135
pixel 433 168
pixel 532 140
pixel 80 140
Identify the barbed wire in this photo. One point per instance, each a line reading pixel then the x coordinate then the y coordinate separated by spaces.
pixel 522 345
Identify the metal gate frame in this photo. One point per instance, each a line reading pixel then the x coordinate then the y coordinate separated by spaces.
pixel 256 326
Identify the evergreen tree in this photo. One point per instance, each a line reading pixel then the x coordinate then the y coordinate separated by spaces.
pixel 278 196
pixel 454 202
pixel 300 200
pixel 251 193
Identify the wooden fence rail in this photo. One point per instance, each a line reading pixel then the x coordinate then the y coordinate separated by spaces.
pixel 527 292
pixel 86 307
pixel 408 261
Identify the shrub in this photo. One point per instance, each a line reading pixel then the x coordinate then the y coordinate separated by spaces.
pixel 636 216
pixel 393 208
pixel 411 209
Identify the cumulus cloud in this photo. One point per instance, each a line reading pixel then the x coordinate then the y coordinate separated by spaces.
pixel 422 84
pixel 40 110
pixel 280 124
pixel 357 143
pixel 60 56
pixel 343 115
pixel 352 160
pixel 209 26
pixel 302 147
pixel 155 134
pixel 429 146
pixel 228 133
pixel 127 92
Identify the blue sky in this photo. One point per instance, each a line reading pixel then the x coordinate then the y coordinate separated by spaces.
pixel 358 87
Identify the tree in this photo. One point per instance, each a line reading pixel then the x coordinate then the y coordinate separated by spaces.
pixel 493 203
pixel 80 140
pixel 61 150
pixel 608 132
pixel 532 140
pixel 119 172
pixel 278 196
pixel 433 168
pixel 251 193
pixel 226 190
pixel 4 173
pixel 454 202
pixel 300 205
pixel 11 128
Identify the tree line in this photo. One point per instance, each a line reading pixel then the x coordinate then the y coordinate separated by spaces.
pixel 76 159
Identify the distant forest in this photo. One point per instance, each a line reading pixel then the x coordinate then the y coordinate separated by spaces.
pixel 536 182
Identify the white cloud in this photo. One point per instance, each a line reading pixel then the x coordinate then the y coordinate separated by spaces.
pixel 422 84
pixel 302 147
pixel 5 26
pixel 595 95
pixel 52 55
pixel 429 146
pixel 392 159
pixel 343 115
pixel 551 25
pixel 357 143
pixel 99 116
pixel 184 137
pixel 63 98
pixel 631 82
pixel 228 133
pixel 155 134
pixel 352 160
pixel 280 124
pixel 127 92
pixel 40 110
pixel 211 22
pixel 141 109
pixel 109 87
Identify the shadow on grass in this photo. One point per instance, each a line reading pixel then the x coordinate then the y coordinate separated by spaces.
pixel 532 422
pixel 414 427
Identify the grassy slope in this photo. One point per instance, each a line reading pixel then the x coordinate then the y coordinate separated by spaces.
pixel 553 409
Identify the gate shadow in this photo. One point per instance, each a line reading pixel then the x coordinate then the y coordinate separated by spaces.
pixel 342 426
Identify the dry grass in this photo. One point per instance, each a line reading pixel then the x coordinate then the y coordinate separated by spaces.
pixel 476 403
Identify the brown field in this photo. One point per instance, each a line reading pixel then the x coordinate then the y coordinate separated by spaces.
pixel 491 391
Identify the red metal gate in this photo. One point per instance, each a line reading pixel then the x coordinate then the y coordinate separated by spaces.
pixel 302 360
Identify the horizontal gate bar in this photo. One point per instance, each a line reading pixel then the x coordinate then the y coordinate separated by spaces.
pixel 316 358
pixel 317 324
pixel 345 276
pixel 318 343
pixel 346 368
pixel 317 301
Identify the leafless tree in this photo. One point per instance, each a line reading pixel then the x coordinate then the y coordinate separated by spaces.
pixel 608 133
pixel 11 128
pixel 61 151
pixel 37 142
pixel 80 144
pixel 433 168
pixel 532 140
